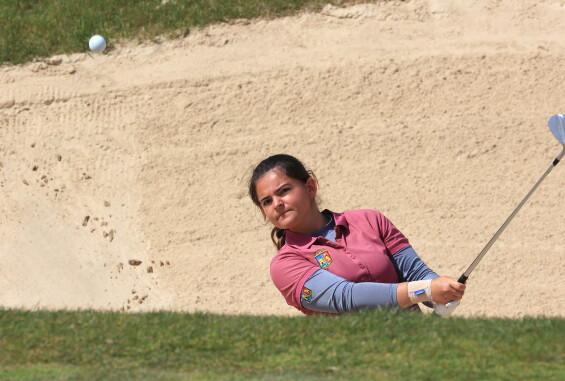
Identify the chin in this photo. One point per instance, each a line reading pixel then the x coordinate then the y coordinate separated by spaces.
pixel 284 225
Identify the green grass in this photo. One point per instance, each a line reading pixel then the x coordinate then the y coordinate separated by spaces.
pixel 40 28
pixel 387 345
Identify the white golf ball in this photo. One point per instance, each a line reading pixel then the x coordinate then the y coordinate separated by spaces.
pixel 97 43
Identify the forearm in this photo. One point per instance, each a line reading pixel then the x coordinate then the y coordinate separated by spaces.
pixel 331 293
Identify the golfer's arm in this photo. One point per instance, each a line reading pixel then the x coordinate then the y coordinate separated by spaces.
pixel 332 293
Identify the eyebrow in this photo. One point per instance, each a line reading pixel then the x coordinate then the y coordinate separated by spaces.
pixel 279 188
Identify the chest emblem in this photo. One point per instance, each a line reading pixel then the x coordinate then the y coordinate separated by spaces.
pixel 323 258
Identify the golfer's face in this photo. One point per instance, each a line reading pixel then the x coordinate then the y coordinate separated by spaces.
pixel 285 201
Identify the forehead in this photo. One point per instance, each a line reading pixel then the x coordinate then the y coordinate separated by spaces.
pixel 271 181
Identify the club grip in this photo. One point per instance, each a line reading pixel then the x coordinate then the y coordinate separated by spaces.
pixel 462 279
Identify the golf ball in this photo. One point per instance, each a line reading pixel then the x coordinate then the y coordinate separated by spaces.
pixel 97 43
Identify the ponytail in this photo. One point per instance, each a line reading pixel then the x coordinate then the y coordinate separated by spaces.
pixel 278 237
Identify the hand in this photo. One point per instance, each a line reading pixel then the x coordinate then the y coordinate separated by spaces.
pixel 446 289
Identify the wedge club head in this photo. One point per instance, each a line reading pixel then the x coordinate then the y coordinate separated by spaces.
pixel 557 126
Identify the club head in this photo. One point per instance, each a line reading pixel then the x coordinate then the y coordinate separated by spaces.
pixel 557 126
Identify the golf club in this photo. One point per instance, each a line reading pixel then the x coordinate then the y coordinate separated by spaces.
pixel 557 126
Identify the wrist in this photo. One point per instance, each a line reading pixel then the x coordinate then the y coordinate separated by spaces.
pixel 420 291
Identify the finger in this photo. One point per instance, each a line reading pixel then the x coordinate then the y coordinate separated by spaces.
pixel 457 286
pixel 456 295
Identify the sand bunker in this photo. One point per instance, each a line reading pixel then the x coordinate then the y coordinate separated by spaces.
pixel 123 175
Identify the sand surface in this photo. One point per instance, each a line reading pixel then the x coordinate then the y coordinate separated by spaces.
pixel 123 175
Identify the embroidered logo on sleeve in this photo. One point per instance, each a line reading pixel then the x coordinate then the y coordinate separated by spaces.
pixel 306 294
pixel 323 258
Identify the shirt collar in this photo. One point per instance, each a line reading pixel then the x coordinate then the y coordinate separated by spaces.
pixel 339 219
pixel 305 241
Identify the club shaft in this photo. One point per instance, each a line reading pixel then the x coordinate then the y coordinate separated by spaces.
pixel 466 274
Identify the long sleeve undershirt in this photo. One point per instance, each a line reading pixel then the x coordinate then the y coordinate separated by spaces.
pixel 331 293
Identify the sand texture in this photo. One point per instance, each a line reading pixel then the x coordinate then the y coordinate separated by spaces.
pixel 123 175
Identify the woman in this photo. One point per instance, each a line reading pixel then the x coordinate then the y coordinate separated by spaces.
pixel 338 262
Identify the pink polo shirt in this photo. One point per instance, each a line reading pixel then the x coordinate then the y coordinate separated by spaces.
pixel 365 239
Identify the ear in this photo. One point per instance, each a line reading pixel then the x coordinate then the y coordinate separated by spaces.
pixel 312 187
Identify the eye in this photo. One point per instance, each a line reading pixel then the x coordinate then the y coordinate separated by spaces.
pixel 285 190
pixel 266 203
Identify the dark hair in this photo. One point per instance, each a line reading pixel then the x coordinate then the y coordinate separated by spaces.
pixel 291 167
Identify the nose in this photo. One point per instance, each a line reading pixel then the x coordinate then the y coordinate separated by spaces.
pixel 277 202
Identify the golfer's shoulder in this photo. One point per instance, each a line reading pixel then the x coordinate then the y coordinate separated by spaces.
pixel 287 252
pixel 289 265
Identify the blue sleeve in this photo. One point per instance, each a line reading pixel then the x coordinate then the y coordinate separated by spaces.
pixel 331 293
pixel 410 267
